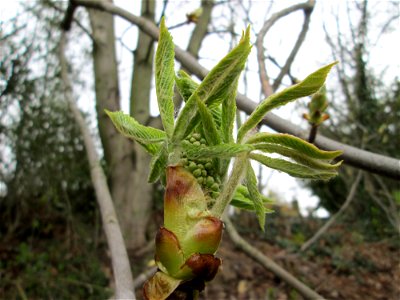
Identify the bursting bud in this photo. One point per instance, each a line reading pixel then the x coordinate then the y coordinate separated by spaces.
pixel 317 107
pixel 186 244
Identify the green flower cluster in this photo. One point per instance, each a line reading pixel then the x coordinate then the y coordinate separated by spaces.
pixel 204 169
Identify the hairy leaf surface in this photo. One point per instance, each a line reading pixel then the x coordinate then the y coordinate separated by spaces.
pixel 165 76
pixel 293 142
pixel 217 151
pixel 251 183
pixel 308 86
pixel 241 199
pixel 297 156
pixel 216 86
pixel 293 169
pixel 148 137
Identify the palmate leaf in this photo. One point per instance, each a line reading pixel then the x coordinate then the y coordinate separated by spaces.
pixel 165 76
pixel 217 151
pixel 216 85
pixel 294 143
pixel 241 199
pixel 297 156
pixel 251 183
pixel 149 137
pixel 293 169
pixel 308 86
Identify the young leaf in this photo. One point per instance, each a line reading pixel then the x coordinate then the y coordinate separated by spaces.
pixel 148 137
pixel 228 115
pixel 217 151
pixel 186 87
pixel 158 164
pixel 251 183
pixel 165 75
pixel 216 86
pixel 241 199
pixel 294 143
pixel 185 84
pixel 297 156
pixel 308 86
pixel 292 169
pixel 209 127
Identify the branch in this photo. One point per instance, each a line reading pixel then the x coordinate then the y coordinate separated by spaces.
pixel 328 224
pixel 69 15
pixel 369 161
pixel 264 79
pixel 119 255
pixel 268 263
pixel 143 277
pixel 300 39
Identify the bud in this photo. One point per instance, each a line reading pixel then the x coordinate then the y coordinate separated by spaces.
pixel 185 246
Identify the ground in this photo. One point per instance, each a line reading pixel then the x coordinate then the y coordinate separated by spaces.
pixel 342 265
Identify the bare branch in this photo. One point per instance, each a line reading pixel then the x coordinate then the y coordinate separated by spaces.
pixel 332 220
pixel 369 161
pixel 142 278
pixel 119 255
pixel 264 79
pixel 268 263
pixel 300 39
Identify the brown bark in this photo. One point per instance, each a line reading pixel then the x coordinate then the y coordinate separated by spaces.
pixel 140 110
pixel 118 151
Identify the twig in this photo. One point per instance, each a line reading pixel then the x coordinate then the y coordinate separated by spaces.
pixel 328 224
pixel 268 263
pixel 264 79
pixel 300 39
pixel 20 290
pixel 369 161
pixel 141 279
pixel 69 16
pixel 313 133
pixel 119 255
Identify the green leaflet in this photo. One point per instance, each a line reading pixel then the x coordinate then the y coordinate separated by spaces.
pixel 185 84
pixel 293 142
pixel 165 75
pixel 292 169
pixel 251 183
pixel 298 156
pixel 216 86
pixel 241 199
pixel 228 115
pixel 308 86
pixel 217 151
pixel 158 164
pixel 209 127
pixel 148 137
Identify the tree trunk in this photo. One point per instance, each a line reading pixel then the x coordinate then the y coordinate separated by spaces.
pixel 140 110
pixel 118 151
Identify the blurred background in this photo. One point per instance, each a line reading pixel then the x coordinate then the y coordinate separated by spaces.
pixel 51 241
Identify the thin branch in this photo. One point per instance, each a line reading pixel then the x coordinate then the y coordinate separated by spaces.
pixel 369 161
pixel 142 278
pixel 313 133
pixel 119 255
pixel 328 224
pixel 268 263
pixel 300 40
pixel 264 79
pixel 69 16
